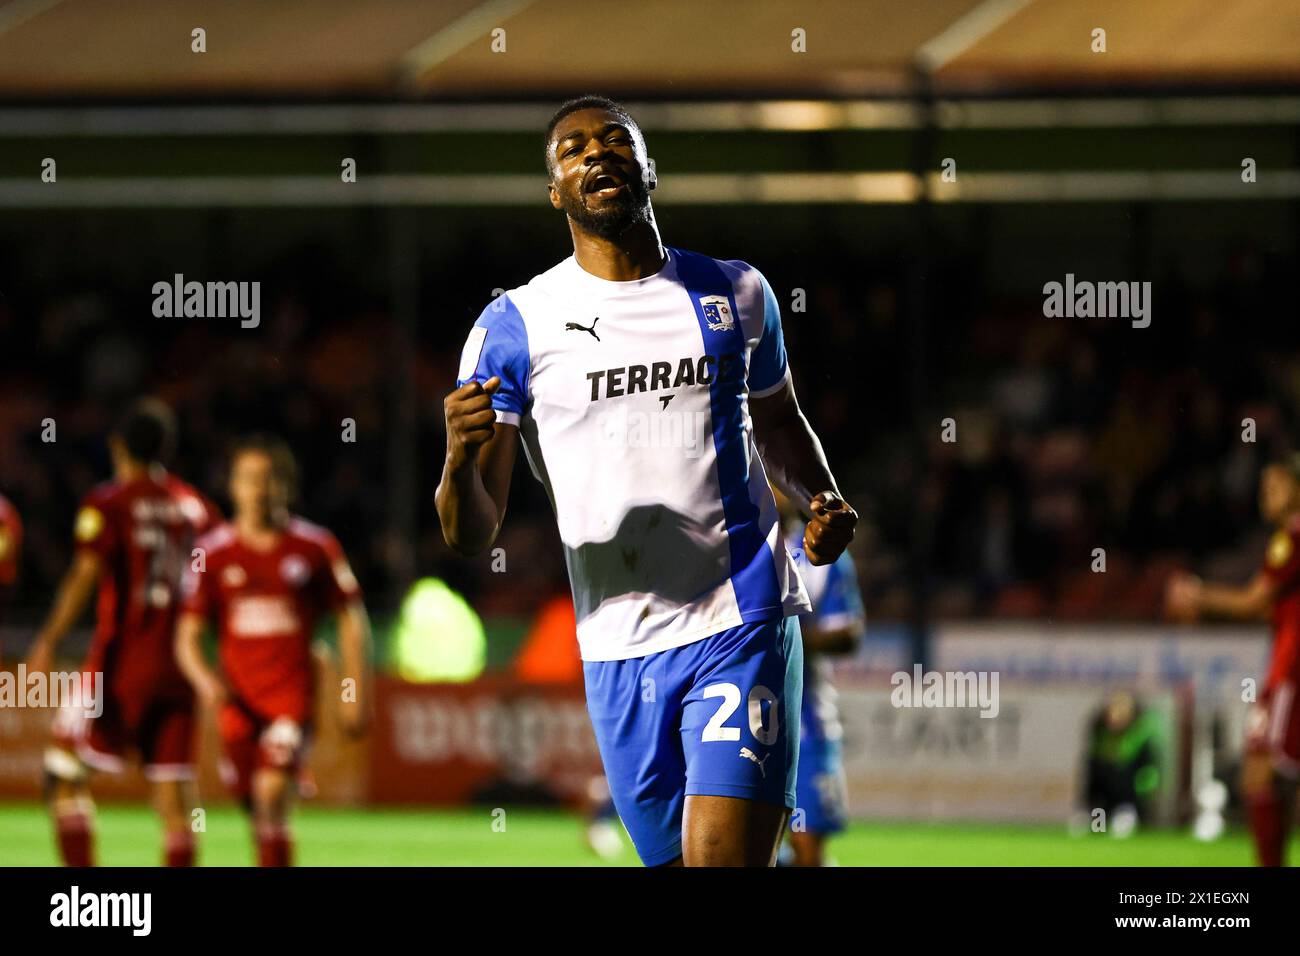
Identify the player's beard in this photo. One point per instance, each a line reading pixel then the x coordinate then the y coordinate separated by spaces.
pixel 611 219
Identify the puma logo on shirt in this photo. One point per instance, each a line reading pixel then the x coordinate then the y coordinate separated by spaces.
pixel 576 327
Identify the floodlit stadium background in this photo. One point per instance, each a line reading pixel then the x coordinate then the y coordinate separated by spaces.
pixel 823 168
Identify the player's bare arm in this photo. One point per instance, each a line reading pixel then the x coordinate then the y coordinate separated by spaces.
pixel 354 654
pixel 75 591
pixel 205 680
pixel 1188 598
pixel 471 497
pixel 795 463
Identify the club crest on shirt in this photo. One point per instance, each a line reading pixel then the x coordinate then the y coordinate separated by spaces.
pixel 90 521
pixel 717 313
pixel 294 569
pixel 1279 549
pixel 233 576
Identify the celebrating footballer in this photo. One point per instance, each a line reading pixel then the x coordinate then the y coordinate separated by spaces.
pixel 687 600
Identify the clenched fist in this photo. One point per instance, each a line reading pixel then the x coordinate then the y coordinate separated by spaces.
pixel 470 419
pixel 830 530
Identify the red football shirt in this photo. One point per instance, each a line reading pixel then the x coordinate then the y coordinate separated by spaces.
pixel 1282 567
pixel 11 543
pixel 266 605
pixel 143 531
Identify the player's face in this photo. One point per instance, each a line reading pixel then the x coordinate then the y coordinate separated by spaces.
pixel 599 173
pixel 1277 493
pixel 255 488
pixel 1119 711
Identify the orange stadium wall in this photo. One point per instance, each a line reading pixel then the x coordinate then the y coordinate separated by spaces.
pixel 492 739
pixel 337 766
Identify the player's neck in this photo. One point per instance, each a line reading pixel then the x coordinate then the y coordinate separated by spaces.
pixel 259 530
pixel 636 254
pixel 128 471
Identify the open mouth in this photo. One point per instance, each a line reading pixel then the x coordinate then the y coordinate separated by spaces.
pixel 604 184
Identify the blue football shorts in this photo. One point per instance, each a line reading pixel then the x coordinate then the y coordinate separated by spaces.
pixel 821 789
pixel 718 717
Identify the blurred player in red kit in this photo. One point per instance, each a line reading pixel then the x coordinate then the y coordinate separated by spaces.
pixel 1271 765
pixel 133 540
pixel 11 546
pixel 266 579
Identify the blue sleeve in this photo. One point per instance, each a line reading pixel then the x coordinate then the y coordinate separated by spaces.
pixel 841 603
pixel 498 345
pixel 767 364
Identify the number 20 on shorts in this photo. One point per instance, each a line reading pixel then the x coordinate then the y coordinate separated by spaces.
pixel 716 728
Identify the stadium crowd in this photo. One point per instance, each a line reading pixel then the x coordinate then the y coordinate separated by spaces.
pixel 1070 434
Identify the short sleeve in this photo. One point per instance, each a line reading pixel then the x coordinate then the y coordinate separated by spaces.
pixel 1282 559
pixel 498 345
pixel 95 530
pixel 197 590
pixel 840 607
pixel 339 583
pixel 768 369
pixel 203 515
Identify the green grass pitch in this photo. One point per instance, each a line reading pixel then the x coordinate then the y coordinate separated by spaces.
pixel 128 835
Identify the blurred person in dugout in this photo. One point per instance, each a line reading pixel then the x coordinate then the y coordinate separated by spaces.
pixel 549 655
pixel 1121 772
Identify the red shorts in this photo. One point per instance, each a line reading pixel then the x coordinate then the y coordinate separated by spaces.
pixel 252 741
pixel 160 730
pixel 1274 728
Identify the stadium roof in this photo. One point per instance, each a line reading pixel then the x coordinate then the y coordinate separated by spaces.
pixel 87 49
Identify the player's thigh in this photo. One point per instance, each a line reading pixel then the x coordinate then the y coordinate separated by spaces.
pixel 740 733
pixel 1256 773
pixel 731 831
pixel 174 801
pixel 167 741
pixel 740 723
pixel 239 732
pixel 1284 731
pixel 272 789
pixel 635 709
pixel 1272 751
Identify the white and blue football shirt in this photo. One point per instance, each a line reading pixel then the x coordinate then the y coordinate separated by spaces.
pixel 632 402
pixel 836 605
pixel 832 590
